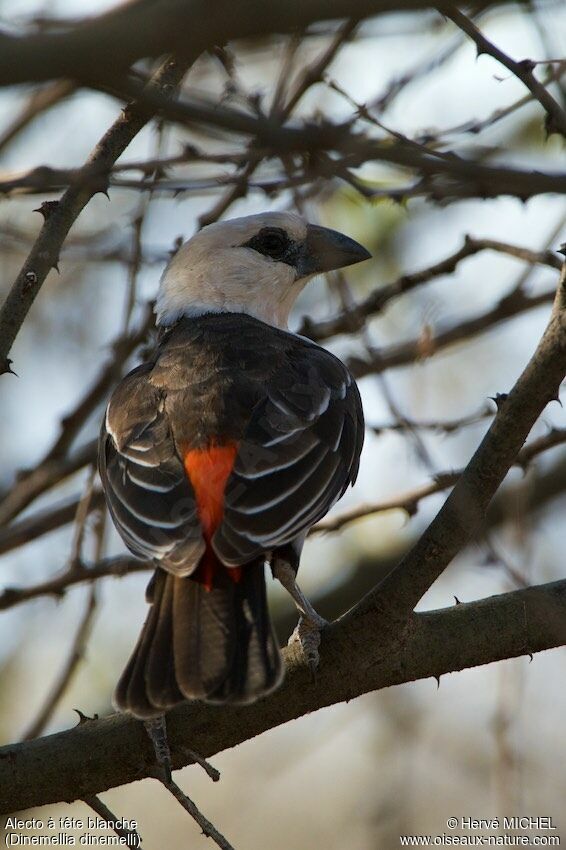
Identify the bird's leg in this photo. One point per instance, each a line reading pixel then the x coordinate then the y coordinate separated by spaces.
pixel 157 731
pixel 310 625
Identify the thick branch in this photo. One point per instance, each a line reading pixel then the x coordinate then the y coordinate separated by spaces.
pixel 360 653
pixel 186 27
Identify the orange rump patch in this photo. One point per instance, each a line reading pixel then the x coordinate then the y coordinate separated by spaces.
pixel 208 470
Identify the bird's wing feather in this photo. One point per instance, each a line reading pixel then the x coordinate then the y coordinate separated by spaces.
pixel 148 493
pixel 299 453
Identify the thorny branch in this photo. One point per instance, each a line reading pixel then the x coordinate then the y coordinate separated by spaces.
pixel 52 769
pixel 355 318
pixel 130 836
pixel 139 29
pixel 59 219
pixel 82 635
pixel 555 115
pixel 189 806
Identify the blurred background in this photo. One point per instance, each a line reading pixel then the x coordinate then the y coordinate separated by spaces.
pixel 485 742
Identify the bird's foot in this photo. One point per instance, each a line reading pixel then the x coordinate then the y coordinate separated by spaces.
pixel 306 640
pixel 157 731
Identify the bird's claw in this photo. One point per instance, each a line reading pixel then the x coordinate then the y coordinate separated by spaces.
pixel 157 731
pixel 306 639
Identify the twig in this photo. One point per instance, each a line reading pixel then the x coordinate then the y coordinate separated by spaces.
pixel 428 345
pixel 38 102
pixel 352 320
pixel 208 829
pixel 122 347
pixel 42 522
pixel 55 466
pixel 45 252
pixel 422 69
pixel 130 836
pixel 465 508
pixel 210 771
pixel 81 516
pixel 555 115
pixel 279 113
pixel 478 126
pixel 32 484
pixel 409 502
pixel 59 585
pixel 68 670
pixel 83 633
pixel 438 426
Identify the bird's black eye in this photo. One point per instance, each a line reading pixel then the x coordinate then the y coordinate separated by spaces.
pixel 271 242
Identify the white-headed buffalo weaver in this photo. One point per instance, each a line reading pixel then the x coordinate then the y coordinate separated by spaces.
pixel 220 452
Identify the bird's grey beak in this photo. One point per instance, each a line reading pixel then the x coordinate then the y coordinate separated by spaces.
pixel 326 249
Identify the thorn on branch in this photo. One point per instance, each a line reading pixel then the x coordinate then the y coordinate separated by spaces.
pixel 47 209
pixel 7 368
pixel 128 111
pixel 499 399
pixel 31 280
pixel 84 718
pixel 411 509
pixel 176 245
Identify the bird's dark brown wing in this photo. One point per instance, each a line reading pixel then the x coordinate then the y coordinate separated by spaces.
pixel 299 453
pixel 148 493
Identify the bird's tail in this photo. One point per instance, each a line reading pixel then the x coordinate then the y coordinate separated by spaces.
pixel 215 644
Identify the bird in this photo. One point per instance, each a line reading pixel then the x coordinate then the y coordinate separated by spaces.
pixel 220 451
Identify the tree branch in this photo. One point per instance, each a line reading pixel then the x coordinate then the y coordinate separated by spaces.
pixel 76 574
pixel 555 115
pixel 466 507
pixel 359 654
pixel 139 29
pixel 62 215
pixel 427 345
pixel 354 319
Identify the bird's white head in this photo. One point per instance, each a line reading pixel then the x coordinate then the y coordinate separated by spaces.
pixel 255 265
